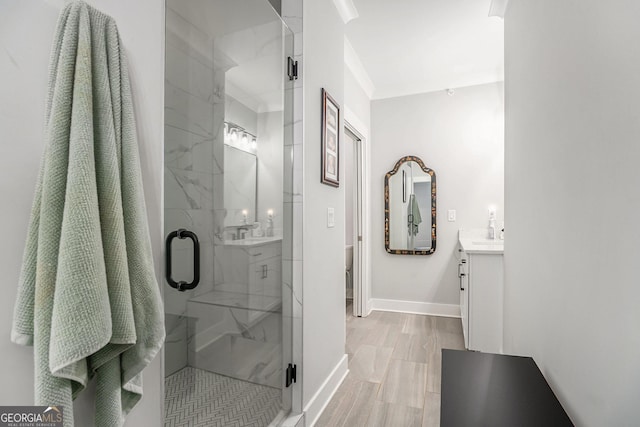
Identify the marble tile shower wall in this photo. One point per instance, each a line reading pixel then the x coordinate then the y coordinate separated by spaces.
pixel 190 132
pixel 194 199
pixel 270 167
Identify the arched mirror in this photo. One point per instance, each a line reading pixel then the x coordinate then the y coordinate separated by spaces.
pixel 410 208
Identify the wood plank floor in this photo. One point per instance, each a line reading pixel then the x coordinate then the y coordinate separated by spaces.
pixel 394 370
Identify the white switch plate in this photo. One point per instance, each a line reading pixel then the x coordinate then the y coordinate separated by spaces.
pixel 451 215
pixel 331 217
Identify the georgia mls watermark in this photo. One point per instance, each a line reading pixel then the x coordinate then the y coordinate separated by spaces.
pixel 31 416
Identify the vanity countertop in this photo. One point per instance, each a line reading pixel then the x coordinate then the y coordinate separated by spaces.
pixel 476 242
pixel 253 241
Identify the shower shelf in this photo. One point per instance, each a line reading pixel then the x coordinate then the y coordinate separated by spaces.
pixel 243 301
pixel 218 313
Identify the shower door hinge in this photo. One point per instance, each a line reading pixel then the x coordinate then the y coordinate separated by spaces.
pixel 292 69
pixel 290 375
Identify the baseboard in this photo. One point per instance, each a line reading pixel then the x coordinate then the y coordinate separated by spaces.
pixel 368 308
pixel 415 307
pixel 321 399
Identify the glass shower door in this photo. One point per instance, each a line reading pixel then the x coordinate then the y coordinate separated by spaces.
pixel 228 221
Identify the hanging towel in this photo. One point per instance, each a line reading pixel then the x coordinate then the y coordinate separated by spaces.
pixel 414 217
pixel 88 300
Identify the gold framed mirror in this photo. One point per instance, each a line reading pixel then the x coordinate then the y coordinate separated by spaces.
pixel 410 208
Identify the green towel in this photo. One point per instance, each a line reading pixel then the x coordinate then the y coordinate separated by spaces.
pixel 88 300
pixel 414 218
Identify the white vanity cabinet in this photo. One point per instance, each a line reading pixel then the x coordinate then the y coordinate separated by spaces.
pixel 251 271
pixel 481 282
pixel 266 264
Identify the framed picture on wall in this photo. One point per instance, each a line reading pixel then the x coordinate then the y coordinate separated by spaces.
pixel 330 141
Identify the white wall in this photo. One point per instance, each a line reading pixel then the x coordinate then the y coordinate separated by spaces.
pixel 572 74
pixel 238 113
pixel 26 29
pixel 460 137
pixel 323 248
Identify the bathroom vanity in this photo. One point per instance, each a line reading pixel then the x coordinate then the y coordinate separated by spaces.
pixel 481 282
pixel 253 267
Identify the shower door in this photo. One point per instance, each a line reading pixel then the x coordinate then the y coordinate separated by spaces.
pixel 228 221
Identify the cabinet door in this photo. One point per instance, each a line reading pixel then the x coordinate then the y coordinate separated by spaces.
pixel 485 303
pixel 273 278
pixel 267 282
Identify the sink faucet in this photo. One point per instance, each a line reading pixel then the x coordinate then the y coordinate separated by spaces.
pixel 237 232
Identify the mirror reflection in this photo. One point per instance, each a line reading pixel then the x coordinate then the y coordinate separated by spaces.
pixel 240 181
pixel 251 57
pixel 410 208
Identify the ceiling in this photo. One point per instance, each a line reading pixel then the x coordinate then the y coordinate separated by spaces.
pixel 415 46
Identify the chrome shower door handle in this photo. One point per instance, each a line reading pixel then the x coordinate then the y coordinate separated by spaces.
pixel 182 285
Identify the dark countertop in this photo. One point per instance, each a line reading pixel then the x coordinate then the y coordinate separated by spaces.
pixel 484 389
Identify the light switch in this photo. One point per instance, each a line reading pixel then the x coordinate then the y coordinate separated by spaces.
pixel 331 217
pixel 451 215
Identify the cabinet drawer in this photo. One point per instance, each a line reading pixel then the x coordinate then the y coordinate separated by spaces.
pixel 260 253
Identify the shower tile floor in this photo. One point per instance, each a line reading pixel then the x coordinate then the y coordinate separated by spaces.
pixel 194 397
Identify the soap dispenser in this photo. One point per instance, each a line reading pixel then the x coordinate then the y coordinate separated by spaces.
pixel 492 225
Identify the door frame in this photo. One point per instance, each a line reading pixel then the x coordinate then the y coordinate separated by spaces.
pixel 361 245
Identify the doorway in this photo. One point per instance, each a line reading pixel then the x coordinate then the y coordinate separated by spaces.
pixel 354 220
